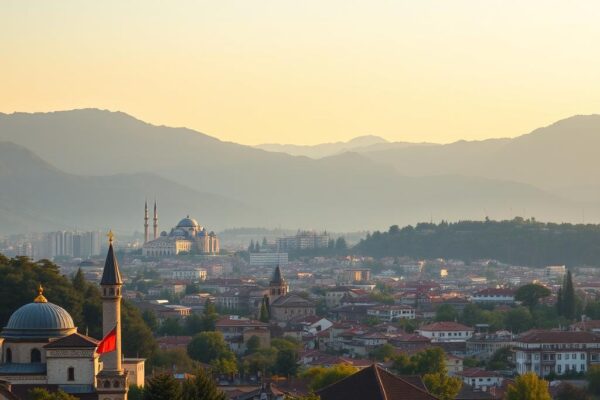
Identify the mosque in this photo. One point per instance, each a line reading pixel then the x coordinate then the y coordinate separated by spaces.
pixel 40 347
pixel 188 236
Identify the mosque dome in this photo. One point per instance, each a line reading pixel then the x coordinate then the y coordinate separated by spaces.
pixel 188 222
pixel 39 319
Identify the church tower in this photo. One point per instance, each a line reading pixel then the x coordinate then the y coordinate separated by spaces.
pixel 146 231
pixel 112 380
pixel 155 221
pixel 278 286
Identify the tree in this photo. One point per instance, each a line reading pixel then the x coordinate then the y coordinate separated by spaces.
pixel 382 353
pixel 209 346
pixel 78 281
pixel 286 362
pixel 171 359
pixel 429 361
pixel 171 327
pixel 202 387
pixel 559 302
pixel 264 242
pixel 209 316
pixel 135 393
pixel 570 392
pixel 253 344
pixel 569 304
pixel 441 385
pixel 150 319
pixel 446 312
pixel 251 246
pixel 593 379
pixel 224 366
pixel 528 387
pixel 162 387
pixel 340 244
pixel 194 324
pixel 43 394
pixel 531 294
pixel 518 320
pixel 501 359
pixel 264 310
pixel 323 376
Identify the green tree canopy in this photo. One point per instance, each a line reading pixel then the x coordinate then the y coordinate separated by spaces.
pixel 446 312
pixel 43 394
pixel 209 346
pixel 531 294
pixel 593 379
pixel 202 387
pixel 162 387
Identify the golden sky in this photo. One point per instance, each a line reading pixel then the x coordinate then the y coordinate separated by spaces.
pixel 308 71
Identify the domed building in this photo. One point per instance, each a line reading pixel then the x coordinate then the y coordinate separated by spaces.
pixel 40 347
pixel 187 236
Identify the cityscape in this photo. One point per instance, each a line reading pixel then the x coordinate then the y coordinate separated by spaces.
pixel 282 200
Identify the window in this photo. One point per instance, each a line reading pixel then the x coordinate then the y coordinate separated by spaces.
pixel 8 356
pixel 559 356
pixel 582 356
pixel 71 374
pixel 36 356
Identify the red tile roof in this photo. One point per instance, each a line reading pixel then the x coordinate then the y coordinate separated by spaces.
pixel 544 336
pixel 445 326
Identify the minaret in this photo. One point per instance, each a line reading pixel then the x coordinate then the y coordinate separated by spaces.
pixel 112 380
pixel 146 231
pixel 155 221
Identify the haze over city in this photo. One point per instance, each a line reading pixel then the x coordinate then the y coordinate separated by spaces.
pixel 299 200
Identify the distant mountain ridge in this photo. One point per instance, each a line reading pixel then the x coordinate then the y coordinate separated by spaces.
pixel 232 185
pixel 358 144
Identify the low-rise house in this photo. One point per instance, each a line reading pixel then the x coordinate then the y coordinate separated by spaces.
pixel 390 313
pixel 544 351
pixel 173 342
pixel 237 331
pixel 484 345
pixel 480 379
pixel 494 296
pixel 290 306
pixel 446 332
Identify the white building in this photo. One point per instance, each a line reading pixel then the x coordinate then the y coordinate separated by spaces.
pixel 494 296
pixel 391 312
pixel 268 259
pixel 480 379
pixel 191 275
pixel 543 351
pixel 446 332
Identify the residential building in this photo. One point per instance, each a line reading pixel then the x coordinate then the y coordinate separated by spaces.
pixel 446 332
pixel 390 313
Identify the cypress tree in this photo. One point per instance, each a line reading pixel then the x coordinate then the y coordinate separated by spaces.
pixel 568 295
pixel 559 302
pixel 264 311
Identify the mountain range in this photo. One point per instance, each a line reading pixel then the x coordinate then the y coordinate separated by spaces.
pixel 94 168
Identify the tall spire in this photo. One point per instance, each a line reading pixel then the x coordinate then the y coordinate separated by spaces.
pixel 111 274
pixel 155 226
pixel 146 230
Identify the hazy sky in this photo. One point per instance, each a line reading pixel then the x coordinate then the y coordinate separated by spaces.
pixel 308 71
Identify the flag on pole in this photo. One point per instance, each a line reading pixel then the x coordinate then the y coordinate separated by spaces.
pixel 109 343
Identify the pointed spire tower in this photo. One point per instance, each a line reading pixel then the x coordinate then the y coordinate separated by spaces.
pixel 278 286
pixel 112 380
pixel 146 230
pixel 155 226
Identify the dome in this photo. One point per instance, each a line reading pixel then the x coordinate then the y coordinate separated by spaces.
pixel 188 222
pixel 39 319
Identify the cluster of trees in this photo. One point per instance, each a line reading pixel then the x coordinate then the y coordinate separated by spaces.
pixel 566 300
pixel 190 326
pixel 254 247
pixel 21 277
pixel 519 242
pixel 279 359
pixel 165 387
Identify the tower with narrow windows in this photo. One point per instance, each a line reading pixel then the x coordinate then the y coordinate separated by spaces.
pixel 112 380
pixel 277 286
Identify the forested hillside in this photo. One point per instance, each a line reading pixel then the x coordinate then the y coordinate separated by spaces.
pixel 519 242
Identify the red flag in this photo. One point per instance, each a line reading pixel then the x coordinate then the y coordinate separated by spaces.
pixel 109 343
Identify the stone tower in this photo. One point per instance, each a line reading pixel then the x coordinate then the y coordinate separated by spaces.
pixel 146 230
pixel 112 380
pixel 155 226
pixel 278 286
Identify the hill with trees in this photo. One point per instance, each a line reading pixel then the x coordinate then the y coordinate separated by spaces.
pixel 517 241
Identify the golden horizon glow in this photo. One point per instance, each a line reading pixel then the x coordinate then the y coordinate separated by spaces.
pixel 307 72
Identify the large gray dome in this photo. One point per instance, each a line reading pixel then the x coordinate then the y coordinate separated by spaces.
pixel 188 222
pixel 39 320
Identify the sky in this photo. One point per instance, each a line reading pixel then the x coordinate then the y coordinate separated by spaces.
pixel 308 71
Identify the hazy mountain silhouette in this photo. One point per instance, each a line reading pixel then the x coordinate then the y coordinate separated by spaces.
pixel 358 144
pixel 343 192
pixel 35 196
pixel 560 157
